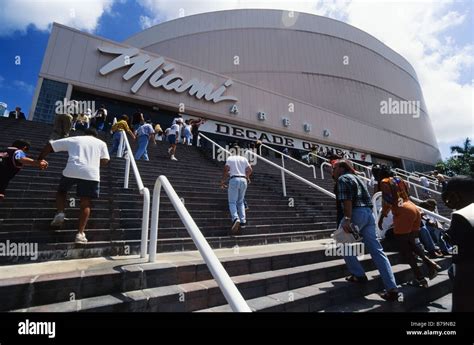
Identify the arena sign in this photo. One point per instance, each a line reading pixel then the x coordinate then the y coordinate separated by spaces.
pixel 245 133
pixel 159 73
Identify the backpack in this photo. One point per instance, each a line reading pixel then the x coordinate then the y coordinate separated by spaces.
pixel 8 164
pixel 398 191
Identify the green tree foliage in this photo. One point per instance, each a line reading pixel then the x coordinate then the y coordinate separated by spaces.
pixel 460 164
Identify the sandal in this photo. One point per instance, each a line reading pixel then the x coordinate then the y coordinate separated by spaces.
pixel 356 279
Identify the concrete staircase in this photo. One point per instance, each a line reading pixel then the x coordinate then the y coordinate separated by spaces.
pixel 115 224
pixel 279 263
pixel 280 277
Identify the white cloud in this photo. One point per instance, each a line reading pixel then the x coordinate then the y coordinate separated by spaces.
pixel 418 30
pixel 80 14
pixel 22 86
pixel 171 9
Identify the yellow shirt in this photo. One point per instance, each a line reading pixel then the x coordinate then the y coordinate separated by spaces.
pixel 121 125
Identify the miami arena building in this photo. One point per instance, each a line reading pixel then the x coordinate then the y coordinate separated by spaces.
pixel 290 79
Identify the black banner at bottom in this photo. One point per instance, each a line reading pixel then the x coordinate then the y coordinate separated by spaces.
pixel 214 328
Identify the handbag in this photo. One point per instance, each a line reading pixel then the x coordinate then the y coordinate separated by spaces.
pixel 340 236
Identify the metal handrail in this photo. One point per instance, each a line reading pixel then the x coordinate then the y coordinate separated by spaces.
pixel 287 156
pixel 283 170
pixel 130 160
pixel 415 174
pixel 358 173
pixel 302 179
pixel 323 164
pixel 227 286
pixel 318 156
pixel 369 169
pixel 429 177
pixel 416 185
pixel 430 213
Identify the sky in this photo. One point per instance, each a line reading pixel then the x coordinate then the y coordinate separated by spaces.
pixel 436 37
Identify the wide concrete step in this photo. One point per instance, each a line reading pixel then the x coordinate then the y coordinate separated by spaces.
pixel 199 292
pixel 327 294
pixel 30 284
pixel 413 298
pixel 70 250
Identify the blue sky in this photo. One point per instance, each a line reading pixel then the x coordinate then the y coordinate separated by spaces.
pixel 436 37
pixel 17 82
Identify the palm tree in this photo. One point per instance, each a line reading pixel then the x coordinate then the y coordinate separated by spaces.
pixel 464 152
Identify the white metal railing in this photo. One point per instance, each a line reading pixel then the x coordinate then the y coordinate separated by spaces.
pixel 318 156
pixel 413 174
pixel 369 169
pixel 324 164
pixel 375 210
pixel 130 161
pixel 430 178
pixel 282 169
pixel 227 286
pixel 415 185
pixel 361 174
pixel 289 157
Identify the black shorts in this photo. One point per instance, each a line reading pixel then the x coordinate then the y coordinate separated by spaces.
pixel 84 188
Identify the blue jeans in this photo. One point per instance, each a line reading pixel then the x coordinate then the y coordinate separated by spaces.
pixel 364 219
pixel 142 147
pixel 438 239
pixel 236 195
pixel 427 240
pixel 115 142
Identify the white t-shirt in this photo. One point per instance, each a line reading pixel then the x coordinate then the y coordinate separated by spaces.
pixel 85 153
pixel 173 129
pixel 386 224
pixel 237 165
pixel 424 181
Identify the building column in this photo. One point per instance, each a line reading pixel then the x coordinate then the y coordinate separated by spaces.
pixel 68 92
pixel 35 98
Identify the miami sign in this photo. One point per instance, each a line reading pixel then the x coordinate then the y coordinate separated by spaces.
pixel 160 73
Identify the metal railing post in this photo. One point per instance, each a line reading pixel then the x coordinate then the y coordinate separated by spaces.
pixel 155 214
pixel 145 221
pixel 127 170
pixel 292 174
pixel 120 147
pixel 225 283
pixel 289 157
pixel 283 182
pixel 322 167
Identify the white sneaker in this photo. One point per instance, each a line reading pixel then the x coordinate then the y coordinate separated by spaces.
pixel 173 158
pixel 58 219
pixel 81 238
